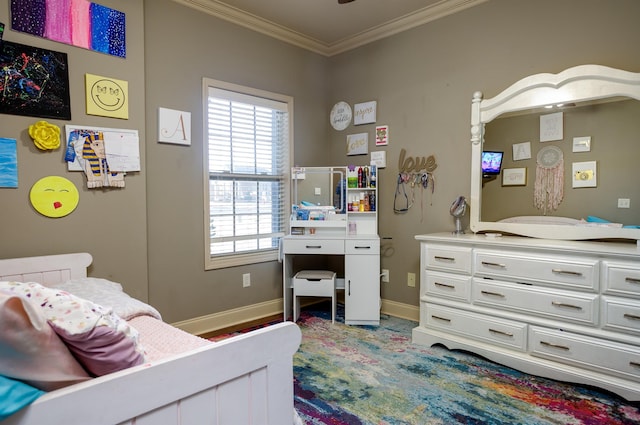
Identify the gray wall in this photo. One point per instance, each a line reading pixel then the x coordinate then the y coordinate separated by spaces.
pixel 423 80
pixel 183 46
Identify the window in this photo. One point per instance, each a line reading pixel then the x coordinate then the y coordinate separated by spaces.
pixel 247 163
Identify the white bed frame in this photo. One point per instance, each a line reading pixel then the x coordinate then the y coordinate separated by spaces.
pixel 247 379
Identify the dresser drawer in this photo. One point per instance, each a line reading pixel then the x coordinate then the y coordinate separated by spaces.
pixel 622 278
pixel 313 246
pixel 447 285
pixel 448 258
pixel 621 314
pixel 362 246
pixel 492 330
pixel 554 271
pixel 596 354
pixel 547 302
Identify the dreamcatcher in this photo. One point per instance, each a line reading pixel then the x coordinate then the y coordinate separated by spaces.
pixel 549 187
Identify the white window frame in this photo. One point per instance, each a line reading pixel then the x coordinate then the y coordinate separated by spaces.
pixel 243 258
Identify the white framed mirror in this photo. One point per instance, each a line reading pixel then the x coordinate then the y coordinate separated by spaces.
pixel 585 202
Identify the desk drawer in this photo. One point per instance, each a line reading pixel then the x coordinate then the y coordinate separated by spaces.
pixel 362 246
pixel 553 303
pixel 447 258
pixel 622 278
pixel 554 271
pixel 447 285
pixel 592 353
pixel 313 246
pixel 507 333
pixel 621 314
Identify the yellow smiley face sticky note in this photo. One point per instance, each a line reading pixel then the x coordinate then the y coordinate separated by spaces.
pixel 54 196
pixel 107 97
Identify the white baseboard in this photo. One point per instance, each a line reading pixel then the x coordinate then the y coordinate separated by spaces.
pixel 401 310
pixel 237 316
pixel 225 319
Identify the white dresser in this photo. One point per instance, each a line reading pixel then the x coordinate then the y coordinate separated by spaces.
pixel 561 309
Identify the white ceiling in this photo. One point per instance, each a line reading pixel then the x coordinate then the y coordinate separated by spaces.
pixel 326 27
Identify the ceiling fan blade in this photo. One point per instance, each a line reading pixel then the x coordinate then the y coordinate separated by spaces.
pixel 344 1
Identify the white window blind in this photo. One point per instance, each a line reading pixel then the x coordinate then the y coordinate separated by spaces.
pixel 247 174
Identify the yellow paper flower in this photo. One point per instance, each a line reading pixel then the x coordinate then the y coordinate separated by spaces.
pixel 45 136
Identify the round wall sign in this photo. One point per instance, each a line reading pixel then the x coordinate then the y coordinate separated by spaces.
pixel 340 116
pixel 54 196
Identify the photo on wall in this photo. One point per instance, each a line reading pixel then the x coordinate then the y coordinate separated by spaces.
pixel 35 82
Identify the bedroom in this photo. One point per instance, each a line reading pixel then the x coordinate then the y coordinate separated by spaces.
pixel 149 236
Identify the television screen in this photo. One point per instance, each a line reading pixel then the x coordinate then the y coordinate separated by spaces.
pixel 491 163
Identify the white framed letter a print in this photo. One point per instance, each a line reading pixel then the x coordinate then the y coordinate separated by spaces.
pixel 174 126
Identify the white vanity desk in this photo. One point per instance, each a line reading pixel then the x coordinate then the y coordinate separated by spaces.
pixel 361 282
pixel 567 310
pixel 352 235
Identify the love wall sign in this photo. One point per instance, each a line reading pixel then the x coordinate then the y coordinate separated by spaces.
pixel 416 164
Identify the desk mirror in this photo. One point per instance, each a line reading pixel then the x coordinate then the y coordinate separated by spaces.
pixel 584 120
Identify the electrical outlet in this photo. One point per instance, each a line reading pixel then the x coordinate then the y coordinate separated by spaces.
pixel 411 279
pixel 385 275
pixel 624 203
pixel 246 280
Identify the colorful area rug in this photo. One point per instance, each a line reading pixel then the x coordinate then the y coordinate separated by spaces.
pixel 352 375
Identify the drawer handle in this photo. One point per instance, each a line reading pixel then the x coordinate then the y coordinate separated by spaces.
pixel 439 258
pixel 631 316
pixel 494 294
pixel 488 264
pixel 313 246
pixel 548 344
pixel 634 364
pixel 495 331
pixel 444 285
pixel 561 304
pixel 441 318
pixel 362 247
pixel 631 280
pixel 569 272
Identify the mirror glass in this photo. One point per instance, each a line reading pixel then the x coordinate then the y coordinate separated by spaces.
pixel 319 186
pixel 591 116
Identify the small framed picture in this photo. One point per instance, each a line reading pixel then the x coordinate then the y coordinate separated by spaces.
pixel 365 113
pixel 551 126
pixel 514 177
pixel 584 174
pixel 582 144
pixel 521 151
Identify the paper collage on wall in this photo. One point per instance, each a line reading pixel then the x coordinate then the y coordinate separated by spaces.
pixel 104 154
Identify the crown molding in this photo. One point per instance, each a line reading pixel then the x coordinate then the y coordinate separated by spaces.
pixel 237 16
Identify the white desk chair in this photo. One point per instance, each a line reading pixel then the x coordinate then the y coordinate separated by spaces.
pixel 314 283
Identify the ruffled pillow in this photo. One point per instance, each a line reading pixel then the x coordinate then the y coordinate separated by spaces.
pixel 30 349
pixel 98 338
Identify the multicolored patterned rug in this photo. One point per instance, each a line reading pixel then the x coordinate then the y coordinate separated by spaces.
pixel 352 375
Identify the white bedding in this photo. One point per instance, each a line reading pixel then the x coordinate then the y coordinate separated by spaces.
pixel 108 294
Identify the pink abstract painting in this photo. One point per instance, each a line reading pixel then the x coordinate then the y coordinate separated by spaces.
pixel 80 23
